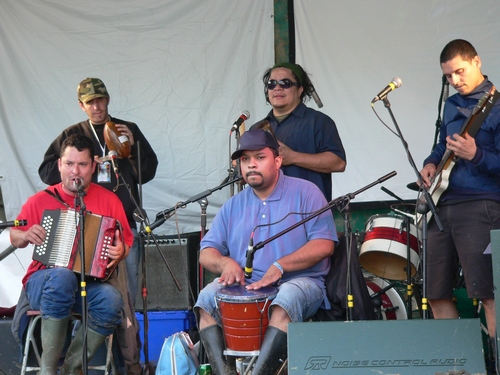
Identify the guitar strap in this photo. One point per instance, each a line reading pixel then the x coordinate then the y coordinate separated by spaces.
pixel 482 116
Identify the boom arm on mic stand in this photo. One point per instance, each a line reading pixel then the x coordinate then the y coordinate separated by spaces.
pixel 330 205
pixel 162 216
pixel 336 202
pixel 428 205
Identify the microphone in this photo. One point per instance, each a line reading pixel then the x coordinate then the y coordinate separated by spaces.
pixel 13 223
pixel 446 89
pixel 316 97
pixel 249 264
pixel 245 115
pixel 79 186
pixel 113 155
pixel 393 85
pixel 159 221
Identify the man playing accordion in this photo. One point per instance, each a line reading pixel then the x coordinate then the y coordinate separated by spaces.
pixel 56 292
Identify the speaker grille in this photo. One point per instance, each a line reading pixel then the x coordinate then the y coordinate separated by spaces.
pixel 163 293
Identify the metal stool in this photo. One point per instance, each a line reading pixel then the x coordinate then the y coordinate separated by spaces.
pixel 30 342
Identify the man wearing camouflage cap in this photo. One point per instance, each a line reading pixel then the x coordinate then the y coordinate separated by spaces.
pixel 93 99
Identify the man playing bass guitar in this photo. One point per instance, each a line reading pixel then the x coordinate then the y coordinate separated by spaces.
pixel 470 206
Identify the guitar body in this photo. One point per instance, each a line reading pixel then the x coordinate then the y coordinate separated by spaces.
pixel 438 187
pixel 443 172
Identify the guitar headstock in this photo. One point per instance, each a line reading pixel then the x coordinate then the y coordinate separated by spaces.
pixel 487 98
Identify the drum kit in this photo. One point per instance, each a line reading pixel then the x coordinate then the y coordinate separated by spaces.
pixel 390 254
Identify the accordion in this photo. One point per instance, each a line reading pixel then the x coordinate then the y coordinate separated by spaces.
pixel 60 248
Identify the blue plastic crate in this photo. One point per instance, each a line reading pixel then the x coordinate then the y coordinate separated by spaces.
pixel 161 325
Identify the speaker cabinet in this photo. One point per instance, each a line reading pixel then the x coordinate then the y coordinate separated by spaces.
pixel 181 256
pixel 404 347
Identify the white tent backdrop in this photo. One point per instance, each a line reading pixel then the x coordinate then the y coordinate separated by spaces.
pixel 353 49
pixel 182 70
pixel 185 70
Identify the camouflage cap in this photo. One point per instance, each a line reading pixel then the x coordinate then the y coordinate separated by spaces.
pixel 91 88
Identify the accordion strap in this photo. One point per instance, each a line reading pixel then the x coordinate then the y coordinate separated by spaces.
pixel 56 196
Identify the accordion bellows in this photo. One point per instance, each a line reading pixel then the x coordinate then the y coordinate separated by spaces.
pixel 61 245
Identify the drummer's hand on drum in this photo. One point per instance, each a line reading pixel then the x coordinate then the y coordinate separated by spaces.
pixel 272 275
pixel 428 172
pixel 231 273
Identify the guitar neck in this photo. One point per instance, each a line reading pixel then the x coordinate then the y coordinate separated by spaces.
pixel 472 124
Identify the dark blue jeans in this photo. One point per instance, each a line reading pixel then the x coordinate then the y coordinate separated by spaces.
pixel 56 293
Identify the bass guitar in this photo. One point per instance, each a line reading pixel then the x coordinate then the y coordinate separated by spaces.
pixel 441 180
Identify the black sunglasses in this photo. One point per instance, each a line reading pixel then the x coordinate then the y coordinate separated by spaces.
pixel 283 83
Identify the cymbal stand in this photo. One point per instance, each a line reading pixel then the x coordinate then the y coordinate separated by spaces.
pixel 406 226
pixel 429 206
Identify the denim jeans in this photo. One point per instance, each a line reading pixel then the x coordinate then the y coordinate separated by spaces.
pixel 56 293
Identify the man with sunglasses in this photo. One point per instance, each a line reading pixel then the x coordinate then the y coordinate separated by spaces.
pixel 310 145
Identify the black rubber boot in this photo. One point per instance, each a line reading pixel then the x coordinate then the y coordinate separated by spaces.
pixel 491 357
pixel 74 356
pixel 213 342
pixel 272 353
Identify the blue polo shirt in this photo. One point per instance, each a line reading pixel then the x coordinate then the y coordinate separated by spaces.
pixel 246 213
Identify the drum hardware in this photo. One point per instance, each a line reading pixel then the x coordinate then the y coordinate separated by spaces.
pixel 407 213
pixel 387 302
pixel 377 302
pixel 413 186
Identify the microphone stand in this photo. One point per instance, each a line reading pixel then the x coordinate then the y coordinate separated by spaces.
pixel 339 202
pixel 203 217
pixel 162 216
pixel 348 241
pixel 201 272
pixel 9 250
pixel 423 208
pixel 234 170
pixel 141 217
pixel 80 205
pixel 442 99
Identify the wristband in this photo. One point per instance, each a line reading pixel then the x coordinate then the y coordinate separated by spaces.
pixel 278 266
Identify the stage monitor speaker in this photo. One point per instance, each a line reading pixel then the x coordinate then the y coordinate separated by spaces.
pixel 182 256
pixel 403 347
pixel 495 259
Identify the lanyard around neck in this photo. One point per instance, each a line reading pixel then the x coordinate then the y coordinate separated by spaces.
pixel 103 147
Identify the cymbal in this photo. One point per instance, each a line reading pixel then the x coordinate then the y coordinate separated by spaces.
pixel 413 186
